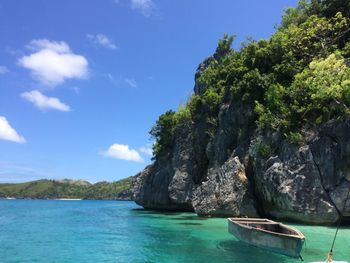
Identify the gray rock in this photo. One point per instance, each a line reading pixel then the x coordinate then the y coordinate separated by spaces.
pixel 125 195
pixel 290 184
pixel 225 193
pixel 181 184
pixel 233 134
pixel 331 150
pixel 239 170
pixel 151 187
pixel 168 183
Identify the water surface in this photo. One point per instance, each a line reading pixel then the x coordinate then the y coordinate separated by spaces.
pixel 44 231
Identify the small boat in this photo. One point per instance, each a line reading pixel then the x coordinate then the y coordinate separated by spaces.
pixel 268 234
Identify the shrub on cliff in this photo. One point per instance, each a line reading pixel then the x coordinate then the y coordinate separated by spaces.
pixel 163 133
pixel 297 79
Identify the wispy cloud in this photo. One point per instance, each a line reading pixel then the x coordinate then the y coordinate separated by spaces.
pixel 3 69
pixel 52 63
pixel 146 150
pixel 114 79
pixel 123 152
pixel 146 7
pixel 8 133
pixel 131 82
pixel 43 102
pixel 102 40
pixel 14 173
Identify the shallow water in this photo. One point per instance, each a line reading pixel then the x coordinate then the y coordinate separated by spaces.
pixel 108 231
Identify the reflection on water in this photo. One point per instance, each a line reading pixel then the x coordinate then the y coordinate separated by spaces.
pixel 247 253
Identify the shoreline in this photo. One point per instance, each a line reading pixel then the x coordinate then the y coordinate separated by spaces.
pixel 67 199
pixel 60 199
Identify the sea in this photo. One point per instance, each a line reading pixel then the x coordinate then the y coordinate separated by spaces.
pixel 62 231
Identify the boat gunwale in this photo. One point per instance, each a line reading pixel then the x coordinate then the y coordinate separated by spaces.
pixel 299 235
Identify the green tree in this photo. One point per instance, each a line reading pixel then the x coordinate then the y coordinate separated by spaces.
pixel 224 47
pixel 322 90
pixel 163 133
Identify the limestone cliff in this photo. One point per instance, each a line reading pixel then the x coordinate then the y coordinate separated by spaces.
pixel 267 131
pixel 228 176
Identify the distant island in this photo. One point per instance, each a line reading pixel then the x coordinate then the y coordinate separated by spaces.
pixel 68 189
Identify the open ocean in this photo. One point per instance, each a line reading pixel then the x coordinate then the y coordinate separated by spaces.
pixel 44 231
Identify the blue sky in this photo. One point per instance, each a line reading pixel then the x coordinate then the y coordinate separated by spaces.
pixel 83 81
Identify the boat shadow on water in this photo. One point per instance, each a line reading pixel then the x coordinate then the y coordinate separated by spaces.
pixel 246 253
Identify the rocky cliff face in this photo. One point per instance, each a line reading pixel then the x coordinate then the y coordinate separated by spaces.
pixel 229 175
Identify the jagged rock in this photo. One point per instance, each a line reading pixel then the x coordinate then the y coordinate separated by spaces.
pixel 225 193
pixel 181 184
pixel 125 195
pixel 233 133
pixel 290 187
pixel 151 187
pixel 331 151
pixel 168 183
pixel 227 174
pixel 305 183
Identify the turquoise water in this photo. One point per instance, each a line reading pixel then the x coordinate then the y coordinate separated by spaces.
pixel 106 231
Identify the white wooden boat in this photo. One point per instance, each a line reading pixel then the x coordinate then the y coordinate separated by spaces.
pixel 268 234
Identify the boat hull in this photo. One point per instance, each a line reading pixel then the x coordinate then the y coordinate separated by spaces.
pixel 283 244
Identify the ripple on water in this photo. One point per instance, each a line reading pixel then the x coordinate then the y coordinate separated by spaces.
pixel 105 231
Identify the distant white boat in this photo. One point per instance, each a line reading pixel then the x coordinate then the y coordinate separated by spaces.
pixel 10 198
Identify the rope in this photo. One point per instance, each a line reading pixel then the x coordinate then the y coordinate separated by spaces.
pixel 330 254
pixel 329 257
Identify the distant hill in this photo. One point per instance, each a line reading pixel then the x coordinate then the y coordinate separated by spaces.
pixel 74 189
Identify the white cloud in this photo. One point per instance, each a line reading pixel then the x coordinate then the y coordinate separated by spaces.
pixel 52 63
pixel 8 133
pixel 43 102
pixel 146 7
pixel 146 150
pixel 102 40
pixel 131 82
pixel 3 70
pixel 123 152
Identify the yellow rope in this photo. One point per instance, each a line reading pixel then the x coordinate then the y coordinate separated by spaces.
pixel 329 257
pixel 330 253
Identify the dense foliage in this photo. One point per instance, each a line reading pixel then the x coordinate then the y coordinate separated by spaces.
pixel 163 132
pixel 51 189
pixel 297 79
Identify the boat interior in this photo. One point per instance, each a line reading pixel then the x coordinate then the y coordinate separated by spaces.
pixel 265 224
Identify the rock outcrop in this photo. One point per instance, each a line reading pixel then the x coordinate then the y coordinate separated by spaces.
pixel 305 183
pixel 226 192
pixel 290 187
pixel 229 174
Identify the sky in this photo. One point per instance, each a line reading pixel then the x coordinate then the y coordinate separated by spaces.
pixel 82 82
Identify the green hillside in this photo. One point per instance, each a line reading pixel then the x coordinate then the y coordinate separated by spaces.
pixel 75 189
